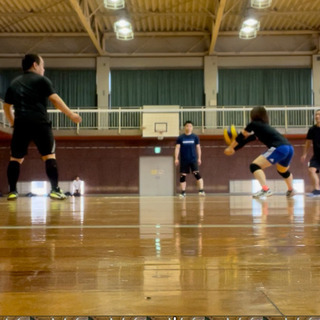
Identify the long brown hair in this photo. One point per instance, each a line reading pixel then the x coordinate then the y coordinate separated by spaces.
pixel 259 114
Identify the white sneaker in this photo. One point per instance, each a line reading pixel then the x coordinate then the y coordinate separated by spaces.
pixel 182 195
pixel 202 193
pixel 262 194
pixel 291 193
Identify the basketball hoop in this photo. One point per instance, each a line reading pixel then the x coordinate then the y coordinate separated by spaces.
pixel 160 135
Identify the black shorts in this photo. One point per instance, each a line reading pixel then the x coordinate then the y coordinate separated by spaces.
pixel 40 133
pixel 187 167
pixel 314 163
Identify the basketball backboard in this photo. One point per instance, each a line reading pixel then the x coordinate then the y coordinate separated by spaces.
pixel 160 124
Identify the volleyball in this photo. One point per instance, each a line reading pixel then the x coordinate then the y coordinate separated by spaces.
pixel 230 134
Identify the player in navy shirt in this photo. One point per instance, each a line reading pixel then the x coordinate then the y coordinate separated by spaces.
pixel 188 155
pixel 313 136
pixel 280 151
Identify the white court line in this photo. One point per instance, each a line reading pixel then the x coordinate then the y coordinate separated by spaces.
pixel 173 226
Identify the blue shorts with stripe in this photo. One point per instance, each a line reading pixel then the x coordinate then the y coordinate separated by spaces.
pixel 281 155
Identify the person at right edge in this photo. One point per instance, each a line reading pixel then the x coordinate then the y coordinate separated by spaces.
pixel 28 96
pixel 280 151
pixel 313 136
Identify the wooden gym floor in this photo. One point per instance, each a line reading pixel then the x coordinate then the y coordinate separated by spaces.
pixel 219 255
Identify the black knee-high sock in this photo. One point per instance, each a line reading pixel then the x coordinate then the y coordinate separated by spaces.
pixel 52 172
pixel 13 173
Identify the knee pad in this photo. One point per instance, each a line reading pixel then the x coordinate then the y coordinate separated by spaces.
pixel 197 175
pixel 254 167
pixel 182 178
pixel 285 174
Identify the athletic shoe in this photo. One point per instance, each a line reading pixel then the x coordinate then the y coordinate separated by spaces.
pixel 291 193
pixel 202 193
pixel 262 194
pixel 12 195
pixel 57 194
pixel 314 193
pixel 182 195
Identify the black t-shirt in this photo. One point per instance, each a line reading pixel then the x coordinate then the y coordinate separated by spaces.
pixel 314 135
pixel 29 94
pixel 267 134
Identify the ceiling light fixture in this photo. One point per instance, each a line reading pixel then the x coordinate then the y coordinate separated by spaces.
pixel 121 24
pixel 247 33
pixel 114 4
pixel 251 22
pixel 123 30
pixel 125 34
pixel 261 4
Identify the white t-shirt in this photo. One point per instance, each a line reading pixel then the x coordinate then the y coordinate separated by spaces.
pixel 76 184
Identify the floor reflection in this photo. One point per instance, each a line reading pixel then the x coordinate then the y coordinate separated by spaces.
pixel 293 208
pixel 218 248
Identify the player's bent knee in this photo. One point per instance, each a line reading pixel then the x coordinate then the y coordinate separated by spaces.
pixel 254 167
pixel 182 178
pixel 285 174
pixel 197 175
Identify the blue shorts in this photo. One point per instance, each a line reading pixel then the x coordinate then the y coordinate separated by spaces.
pixel 281 155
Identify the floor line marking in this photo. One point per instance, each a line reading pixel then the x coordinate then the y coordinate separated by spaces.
pixel 161 226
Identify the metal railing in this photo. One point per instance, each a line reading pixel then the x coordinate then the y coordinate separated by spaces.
pixel 203 118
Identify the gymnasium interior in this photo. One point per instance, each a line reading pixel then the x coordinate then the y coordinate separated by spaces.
pixel 129 247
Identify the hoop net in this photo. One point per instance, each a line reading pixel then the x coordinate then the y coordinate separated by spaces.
pixel 160 135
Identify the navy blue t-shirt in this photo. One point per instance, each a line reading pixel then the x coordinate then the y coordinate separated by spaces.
pixel 188 151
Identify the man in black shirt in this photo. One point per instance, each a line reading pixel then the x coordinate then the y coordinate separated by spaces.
pixel 313 136
pixel 28 95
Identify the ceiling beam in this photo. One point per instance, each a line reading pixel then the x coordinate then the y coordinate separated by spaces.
pixel 199 41
pixel 159 14
pixel 42 34
pixel 164 34
pixel 156 34
pixel 286 13
pixel 51 15
pixel 273 33
pixel 94 35
pixel 216 26
pixel 50 55
pixel 162 54
pixel 206 12
pixel 221 33
pixel 272 53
